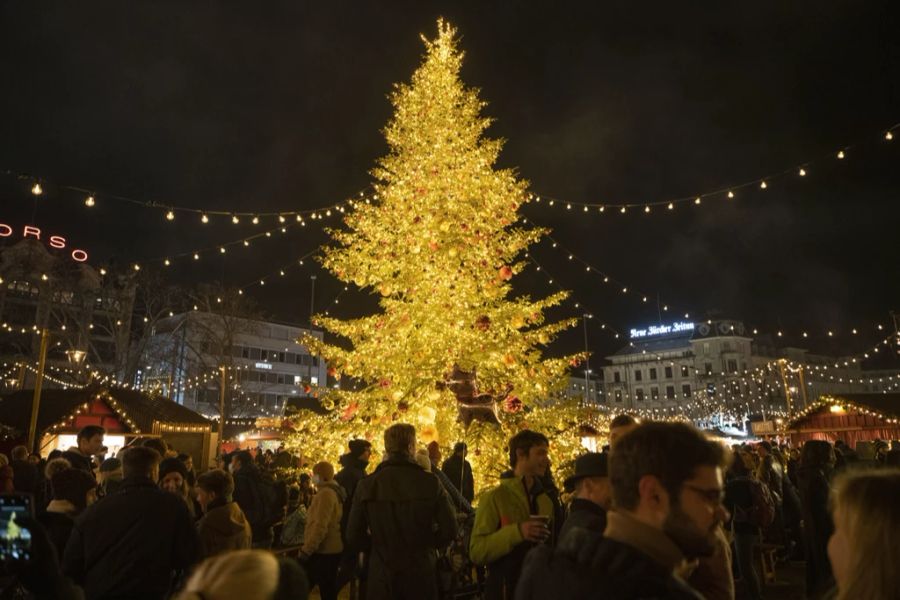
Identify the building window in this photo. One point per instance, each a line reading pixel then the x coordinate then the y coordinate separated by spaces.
pixel 654 393
pixel 639 394
pixel 686 390
pixel 618 395
pixel 638 375
pixel 670 392
pixel 732 365
pixel 708 368
pixel 684 370
pixel 617 378
pixel 668 372
pixel 653 373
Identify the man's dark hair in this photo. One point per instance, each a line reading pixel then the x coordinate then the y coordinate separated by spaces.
pixel 766 446
pixel 623 420
pixel 183 457
pixel 524 440
pixel 89 431
pixel 138 461
pixel 243 458
pixel 671 452
pixel 158 444
pixel 218 482
pixel 19 453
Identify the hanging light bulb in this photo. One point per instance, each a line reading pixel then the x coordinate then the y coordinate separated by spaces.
pixel 730 194
pixel 697 200
pixel 840 155
pixel 647 209
pixel 235 219
pixel 196 256
pixel 170 216
pixel 89 201
pixel 281 218
pixel 888 136
pixel 671 206
pixel 802 172
pixel 763 185
pixel 167 262
pixel 36 189
pixel 204 218
pixel 623 210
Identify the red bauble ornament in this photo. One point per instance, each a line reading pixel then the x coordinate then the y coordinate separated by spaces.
pixel 331 371
pixel 512 404
pixel 385 383
pixel 483 323
pixel 505 273
pixel 403 406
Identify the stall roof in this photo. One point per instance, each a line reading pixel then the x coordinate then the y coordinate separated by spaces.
pixel 58 404
pixel 886 406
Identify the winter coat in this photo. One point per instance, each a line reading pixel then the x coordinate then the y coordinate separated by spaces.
pixel 496 540
pixel 459 471
pixel 814 489
pixel 712 577
pixel 771 473
pixel 223 528
pixel 25 476
pixel 459 502
pixel 79 460
pixel 401 513
pixel 588 566
pixel 58 520
pixel 739 500
pixel 585 514
pixel 256 499
pixel 353 470
pixel 131 543
pixel 322 534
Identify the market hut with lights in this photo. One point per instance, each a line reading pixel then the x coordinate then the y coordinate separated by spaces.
pixel 849 417
pixel 125 414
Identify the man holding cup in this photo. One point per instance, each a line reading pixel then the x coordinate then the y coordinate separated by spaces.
pixel 513 517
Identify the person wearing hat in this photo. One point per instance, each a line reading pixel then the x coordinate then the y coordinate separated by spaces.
pixel 592 494
pixel 73 491
pixel 173 476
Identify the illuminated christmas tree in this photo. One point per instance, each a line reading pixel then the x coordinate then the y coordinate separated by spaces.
pixel 451 350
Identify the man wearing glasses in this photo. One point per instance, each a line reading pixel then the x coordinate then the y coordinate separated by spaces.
pixel 667 490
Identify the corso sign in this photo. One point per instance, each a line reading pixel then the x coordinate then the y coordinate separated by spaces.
pixel 54 241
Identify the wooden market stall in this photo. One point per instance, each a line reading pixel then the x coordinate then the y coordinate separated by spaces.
pixel 849 417
pixel 125 414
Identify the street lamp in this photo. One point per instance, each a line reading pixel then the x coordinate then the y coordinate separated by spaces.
pixel 75 356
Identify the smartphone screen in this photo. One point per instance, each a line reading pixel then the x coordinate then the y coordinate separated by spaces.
pixel 15 537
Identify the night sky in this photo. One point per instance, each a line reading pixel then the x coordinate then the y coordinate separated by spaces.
pixel 278 105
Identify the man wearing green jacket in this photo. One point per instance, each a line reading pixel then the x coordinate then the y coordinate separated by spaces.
pixel 513 517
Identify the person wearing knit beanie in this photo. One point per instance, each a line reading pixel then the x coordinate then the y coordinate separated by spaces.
pixel 173 477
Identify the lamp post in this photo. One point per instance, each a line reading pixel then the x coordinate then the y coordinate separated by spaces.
pixel 39 379
pixel 222 407
pixel 587 363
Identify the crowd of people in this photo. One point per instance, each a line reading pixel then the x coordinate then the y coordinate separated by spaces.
pixel 662 512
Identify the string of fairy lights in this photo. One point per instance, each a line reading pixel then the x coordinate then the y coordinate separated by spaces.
pixel 91 198
pixel 729 192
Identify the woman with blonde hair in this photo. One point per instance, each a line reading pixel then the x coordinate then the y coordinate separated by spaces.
pixel 246 575
pixel 863 548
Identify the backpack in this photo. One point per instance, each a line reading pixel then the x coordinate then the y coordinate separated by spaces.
pixel 762 512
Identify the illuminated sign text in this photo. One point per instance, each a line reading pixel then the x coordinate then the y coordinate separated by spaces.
pixel 655 330
pixel 54 241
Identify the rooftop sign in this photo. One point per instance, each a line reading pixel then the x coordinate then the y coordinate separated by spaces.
pixel 657 330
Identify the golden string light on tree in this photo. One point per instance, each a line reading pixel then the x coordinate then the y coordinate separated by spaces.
pixel 450 346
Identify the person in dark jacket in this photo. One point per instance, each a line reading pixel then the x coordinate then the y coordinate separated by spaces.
pixel 817 461
pixel 739 502
pixel 89 443
pixel 256 498
pixel 460 504
pixel 459 471
pixel 25 474
pixel 353 468
pixel 667 487
pixel 223 526
pixel 135 543
pixel 403 517
pixel 73 491
pixel 592 494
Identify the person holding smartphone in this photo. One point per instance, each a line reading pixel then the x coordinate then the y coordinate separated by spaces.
pixel 513 517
